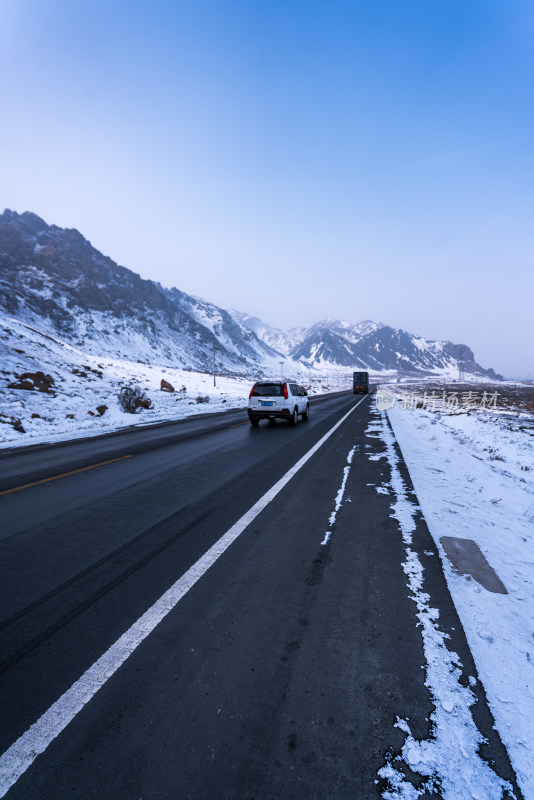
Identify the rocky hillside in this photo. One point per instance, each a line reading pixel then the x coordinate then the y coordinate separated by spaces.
pixel 56 280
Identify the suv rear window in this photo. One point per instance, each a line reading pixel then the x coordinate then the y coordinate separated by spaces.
pixel 268 390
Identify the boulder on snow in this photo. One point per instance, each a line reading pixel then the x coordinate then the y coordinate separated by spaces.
pixel 101 409
pixel 20 384
pixel 143 402
pixel 165 386
pixel 33 380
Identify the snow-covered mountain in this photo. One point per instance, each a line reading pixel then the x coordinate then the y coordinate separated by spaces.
pixel 373 346
pixel 380 348
pixel 353 332
pixel 54 280
pixel 287 343
pixel 279 340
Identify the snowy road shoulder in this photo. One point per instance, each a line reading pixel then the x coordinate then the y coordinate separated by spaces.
pixel 473 478
pixel 448 763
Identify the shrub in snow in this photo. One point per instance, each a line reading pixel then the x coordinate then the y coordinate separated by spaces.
pixel 131 397
pixel 201 399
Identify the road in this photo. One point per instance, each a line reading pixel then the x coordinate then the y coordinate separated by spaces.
pixel 282 663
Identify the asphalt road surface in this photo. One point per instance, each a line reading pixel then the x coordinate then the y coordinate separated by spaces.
pixel 279 664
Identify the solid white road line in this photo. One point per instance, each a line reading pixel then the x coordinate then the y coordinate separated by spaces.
pixel 16 760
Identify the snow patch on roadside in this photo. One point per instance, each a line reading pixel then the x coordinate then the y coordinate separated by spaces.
pixel 474 479
pixel 449 761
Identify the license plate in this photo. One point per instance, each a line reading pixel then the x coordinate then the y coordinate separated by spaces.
pixel 264 403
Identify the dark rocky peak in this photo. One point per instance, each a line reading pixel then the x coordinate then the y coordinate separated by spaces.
pixel 29 221
pixel 32 223
pixel 325 325
pixel 71 235
pixel 462 353
pixel 322 343
pixel 175 293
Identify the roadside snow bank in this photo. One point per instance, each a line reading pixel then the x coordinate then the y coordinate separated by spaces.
pixel 449 761
pixel 474 478
pixel 71 411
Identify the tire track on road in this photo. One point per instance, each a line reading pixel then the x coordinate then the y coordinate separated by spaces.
pixel 82 606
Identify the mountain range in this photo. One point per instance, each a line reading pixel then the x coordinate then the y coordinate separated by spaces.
pixel 56 281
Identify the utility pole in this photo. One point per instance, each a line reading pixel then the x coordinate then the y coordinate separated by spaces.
pixel 461 366
pixel 214 381
pixel 282 369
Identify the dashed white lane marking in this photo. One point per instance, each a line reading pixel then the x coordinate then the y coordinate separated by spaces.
pixel 22 753
pixel 339 498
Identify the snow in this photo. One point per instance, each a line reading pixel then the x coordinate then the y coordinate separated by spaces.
pixel 449 761
pixel 64 414
pixel 473 474
pixel 474 478
pixel 420 343
pixel 274 337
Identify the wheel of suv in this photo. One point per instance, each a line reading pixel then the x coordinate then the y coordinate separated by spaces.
pixel 254 422
pixel 294 416
pixel 306 414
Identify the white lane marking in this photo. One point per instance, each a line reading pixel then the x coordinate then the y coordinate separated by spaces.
pixel 22 753
pixel 339 497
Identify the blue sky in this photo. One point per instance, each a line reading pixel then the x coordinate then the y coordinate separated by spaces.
pixel 294 159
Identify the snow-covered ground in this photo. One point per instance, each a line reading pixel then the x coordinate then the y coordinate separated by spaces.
pixel 473 474
pixel 84 382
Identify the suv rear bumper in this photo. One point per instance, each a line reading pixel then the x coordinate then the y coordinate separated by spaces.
pixel 282 414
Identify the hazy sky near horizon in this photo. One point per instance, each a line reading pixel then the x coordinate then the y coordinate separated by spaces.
pixel 294 159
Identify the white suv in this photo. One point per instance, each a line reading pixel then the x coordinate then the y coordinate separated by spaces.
pixel 277 400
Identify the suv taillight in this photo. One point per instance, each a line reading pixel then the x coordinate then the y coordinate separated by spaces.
pixel 250 395
pixel 285 391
